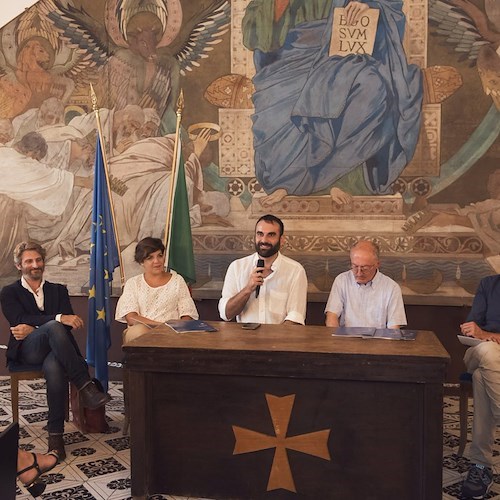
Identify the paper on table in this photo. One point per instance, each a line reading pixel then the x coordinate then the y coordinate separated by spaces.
pixel 353 331
pixel 469 341
pixel 189 325
pixel 395 334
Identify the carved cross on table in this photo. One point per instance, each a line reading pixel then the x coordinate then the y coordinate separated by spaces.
pixel 313 443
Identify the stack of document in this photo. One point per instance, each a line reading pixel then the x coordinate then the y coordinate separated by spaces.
pixel 376 333
pixel 189 325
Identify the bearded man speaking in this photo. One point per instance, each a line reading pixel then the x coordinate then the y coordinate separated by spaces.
pixel 265 287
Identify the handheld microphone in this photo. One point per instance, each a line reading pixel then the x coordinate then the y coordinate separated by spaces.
pixel 260 263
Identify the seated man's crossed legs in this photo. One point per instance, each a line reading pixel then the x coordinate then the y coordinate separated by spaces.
pixel 56 349
pixel 483 361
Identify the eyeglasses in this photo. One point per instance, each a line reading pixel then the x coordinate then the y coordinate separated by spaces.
pixel 363 269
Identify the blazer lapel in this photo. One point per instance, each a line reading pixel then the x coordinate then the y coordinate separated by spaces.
pixel 48 299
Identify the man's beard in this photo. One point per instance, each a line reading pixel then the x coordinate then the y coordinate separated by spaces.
pixel 267 251
pixel 35 273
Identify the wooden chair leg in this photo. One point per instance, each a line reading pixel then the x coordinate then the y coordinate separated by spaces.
pixel 81 413
pixel 126 421
pixel 464 415
pixel 14 397
pixel 66 411
pixel 15 377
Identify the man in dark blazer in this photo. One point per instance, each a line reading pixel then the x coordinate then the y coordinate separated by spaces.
pixel 41 320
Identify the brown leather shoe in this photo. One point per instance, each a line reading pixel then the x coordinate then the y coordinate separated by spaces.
pixel 91 397
pixel 56 443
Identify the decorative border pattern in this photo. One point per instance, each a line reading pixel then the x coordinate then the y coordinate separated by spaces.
pixel 426 160
pixel 236 143
pixel 415 40
pixel 397 245
pixel 241 57
pixel 316 207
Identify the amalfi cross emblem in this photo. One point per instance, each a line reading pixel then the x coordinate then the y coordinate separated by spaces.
pixel 312 443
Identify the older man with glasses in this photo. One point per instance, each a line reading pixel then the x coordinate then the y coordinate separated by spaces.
pixel 363 296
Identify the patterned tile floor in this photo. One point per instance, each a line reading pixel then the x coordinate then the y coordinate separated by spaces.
pixel 98 465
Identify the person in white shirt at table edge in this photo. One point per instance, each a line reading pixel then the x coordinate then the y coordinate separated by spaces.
pixel 363 296
pixel 271 291
pixel 154 297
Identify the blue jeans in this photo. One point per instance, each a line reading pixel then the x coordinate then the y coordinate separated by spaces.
pixel 52 346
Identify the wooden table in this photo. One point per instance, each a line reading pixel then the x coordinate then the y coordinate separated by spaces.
pixel 285 412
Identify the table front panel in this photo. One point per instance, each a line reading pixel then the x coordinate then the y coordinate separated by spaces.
pixel 357 439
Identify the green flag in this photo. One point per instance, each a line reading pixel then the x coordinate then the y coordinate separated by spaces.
pixel 180 241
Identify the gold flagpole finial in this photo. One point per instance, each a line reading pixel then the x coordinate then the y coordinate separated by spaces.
pixel 93 98
pixel 180 103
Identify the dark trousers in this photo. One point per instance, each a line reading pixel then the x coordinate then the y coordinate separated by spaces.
pixel 52 346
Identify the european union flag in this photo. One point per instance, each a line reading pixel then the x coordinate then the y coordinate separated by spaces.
pixel 104 259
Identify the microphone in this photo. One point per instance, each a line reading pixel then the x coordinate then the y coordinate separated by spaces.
pixel 260 263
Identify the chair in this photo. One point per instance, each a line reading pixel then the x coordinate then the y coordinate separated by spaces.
pixel 465 380
pixel 125 382
pixel 126 420
pixel 25 372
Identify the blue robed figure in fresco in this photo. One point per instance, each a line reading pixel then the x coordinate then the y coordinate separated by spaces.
pixel 318 118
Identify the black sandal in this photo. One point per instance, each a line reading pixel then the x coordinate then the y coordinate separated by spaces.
pixel 36 486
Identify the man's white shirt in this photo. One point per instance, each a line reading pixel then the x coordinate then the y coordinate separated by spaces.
pixel 282 296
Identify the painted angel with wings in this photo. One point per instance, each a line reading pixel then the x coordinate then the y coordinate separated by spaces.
pixel 31 64
pixel 143 47
pixel 473 33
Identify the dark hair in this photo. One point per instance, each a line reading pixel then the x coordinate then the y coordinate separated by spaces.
pixel 273 220
pixel 146 247
pixel 32 142
pixel 25 246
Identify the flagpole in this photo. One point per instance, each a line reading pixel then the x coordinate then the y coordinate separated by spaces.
pixel 173 175
pixel 93 97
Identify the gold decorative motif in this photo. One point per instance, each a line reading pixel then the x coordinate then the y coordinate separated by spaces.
pixel 440 82
pixel 312 443
pixel 230 91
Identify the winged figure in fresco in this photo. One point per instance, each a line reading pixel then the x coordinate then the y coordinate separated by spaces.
pixel 30 69
pixel 142 48
pixel 474 34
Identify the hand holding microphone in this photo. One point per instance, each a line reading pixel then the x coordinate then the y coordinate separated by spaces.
pixel 260 263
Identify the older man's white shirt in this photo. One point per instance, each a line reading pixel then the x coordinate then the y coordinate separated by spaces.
pixel 378 304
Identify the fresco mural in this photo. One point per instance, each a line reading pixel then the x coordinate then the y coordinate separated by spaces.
pixel 399 144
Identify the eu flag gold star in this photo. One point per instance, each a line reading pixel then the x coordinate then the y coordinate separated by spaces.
pixel 92 292
pixel 101 314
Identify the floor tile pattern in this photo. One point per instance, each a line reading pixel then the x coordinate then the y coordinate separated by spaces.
pixel 98 465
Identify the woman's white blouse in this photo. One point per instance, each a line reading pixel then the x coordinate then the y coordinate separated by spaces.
pixel 170 301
